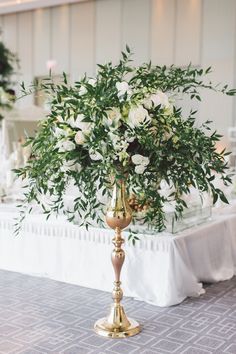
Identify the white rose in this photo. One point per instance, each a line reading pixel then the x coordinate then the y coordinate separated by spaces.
pixel 95 155
pixel 147 103
pixel 123 88
pixel 79 124
pixel 65 145
pixel 137 116
pixel 92 82
pixel 140 169
pixel 159 98
pixel 113 117
pixel 114 138
pixel 145 161
pixel 4 96
pixel 137 159
pixel 58 132
pixel 78 167
pixel 71 122
pixel 84 126
pixel 169 110
pixel 130 139
pixel 80 138
pixel 60 119
pixel 82 91
pixel 71 165
pixel 140 160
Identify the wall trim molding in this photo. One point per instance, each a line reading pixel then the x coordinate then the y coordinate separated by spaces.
pixel 12 6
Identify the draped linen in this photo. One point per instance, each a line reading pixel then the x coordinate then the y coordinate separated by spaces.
pixel 162 270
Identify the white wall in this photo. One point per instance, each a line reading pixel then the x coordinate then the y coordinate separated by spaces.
pixel 79 35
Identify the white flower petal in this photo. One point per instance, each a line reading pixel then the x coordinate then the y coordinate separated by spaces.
pixel 95 155
pixel 92 82
pixel 140 169
pixel 82 91
pixel 138 115
pixel 80 138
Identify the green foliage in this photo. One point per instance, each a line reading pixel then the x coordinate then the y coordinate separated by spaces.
pixel 126 122
pixel 8 61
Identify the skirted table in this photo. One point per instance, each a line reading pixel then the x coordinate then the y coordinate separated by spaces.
pixel 162 270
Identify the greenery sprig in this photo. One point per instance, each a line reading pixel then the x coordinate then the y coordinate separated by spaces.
pixel 8 62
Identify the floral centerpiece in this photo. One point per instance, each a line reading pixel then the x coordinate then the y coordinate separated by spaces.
pixel 125 123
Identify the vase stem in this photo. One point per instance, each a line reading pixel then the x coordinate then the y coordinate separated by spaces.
pixel 117 258
pixel 118 216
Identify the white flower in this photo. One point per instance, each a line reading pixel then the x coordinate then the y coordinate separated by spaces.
pixel 71 122
pixel 79 124
pixel 95 155
pixel 65 145
pixel 82 91
pixel 58 132
pixel 113 117
pixel 119 143
pixel 140 169
pixel 169 110
pixel 123 88
pixel 114 138
pixel 80 138
pixel 92 82
pixel 140 160
pixel 123 156
pixel 137 116
pixel 159 98
pixel 130 139
pixel 60 119
pixel 84 126
pixel 4 96
pixel 71 165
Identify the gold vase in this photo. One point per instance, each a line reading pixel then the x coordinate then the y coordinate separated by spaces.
pixel 118 216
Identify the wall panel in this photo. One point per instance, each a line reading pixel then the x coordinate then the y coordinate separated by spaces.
pixel 60 37
pixel 25 52
pixel 1 26
pixel 10 31
pixel 41 40
pixel 136 28
pixel 162 32
pixel 82 29
pixel 218 44
pixel 188 32
pixel 108 30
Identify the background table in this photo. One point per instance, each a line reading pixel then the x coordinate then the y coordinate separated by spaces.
pixel 162 269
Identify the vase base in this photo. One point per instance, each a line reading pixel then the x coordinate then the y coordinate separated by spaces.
pixel 103 328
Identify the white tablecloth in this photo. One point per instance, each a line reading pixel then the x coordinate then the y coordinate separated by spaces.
pixel 162 269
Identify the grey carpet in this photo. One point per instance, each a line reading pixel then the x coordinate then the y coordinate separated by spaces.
pixel 44 316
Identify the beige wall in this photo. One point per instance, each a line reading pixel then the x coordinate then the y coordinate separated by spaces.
pixel 79 35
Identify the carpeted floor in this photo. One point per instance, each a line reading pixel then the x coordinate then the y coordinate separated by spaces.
pixel 44 316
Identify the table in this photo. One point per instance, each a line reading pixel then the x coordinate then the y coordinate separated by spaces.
pixel 162 270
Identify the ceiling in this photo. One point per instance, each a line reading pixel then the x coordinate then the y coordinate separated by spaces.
pixel 10 6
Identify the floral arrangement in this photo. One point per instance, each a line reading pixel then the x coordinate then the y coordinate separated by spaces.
pixel 125 123
pixel 7 63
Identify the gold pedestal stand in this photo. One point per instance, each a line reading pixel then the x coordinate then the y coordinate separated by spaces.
pixel 119 216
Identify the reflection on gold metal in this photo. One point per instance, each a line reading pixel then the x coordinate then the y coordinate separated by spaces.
pixel 118 216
